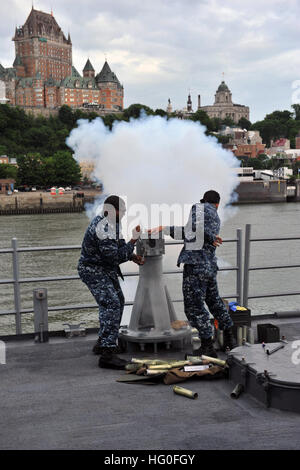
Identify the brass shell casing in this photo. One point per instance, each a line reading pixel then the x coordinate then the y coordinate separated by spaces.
pixel 185 392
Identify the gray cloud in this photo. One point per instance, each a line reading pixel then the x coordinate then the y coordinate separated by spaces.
pixel 160 49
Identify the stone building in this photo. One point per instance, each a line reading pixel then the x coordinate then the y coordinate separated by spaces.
pixel 248 150
pixel 43 76
pixel 223 106
pixel 238 136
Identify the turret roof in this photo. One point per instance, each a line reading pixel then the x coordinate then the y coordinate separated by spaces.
pixel 106 75
pixel 88 67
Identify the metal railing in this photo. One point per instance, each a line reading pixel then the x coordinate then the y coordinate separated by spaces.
pixel 16 281
pixel 247 268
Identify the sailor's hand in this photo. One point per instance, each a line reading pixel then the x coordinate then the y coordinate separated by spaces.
pixel 156 230
pixel 218 241
pixel 136 233
pixel 140 260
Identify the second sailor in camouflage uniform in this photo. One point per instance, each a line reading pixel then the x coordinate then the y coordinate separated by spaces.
pixel 200 279
pixel 200 272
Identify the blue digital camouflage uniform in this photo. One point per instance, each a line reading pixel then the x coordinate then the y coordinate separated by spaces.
pixel 103 250
pixel 200 276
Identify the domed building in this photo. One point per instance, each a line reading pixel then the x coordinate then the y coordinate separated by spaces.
pixel 223 106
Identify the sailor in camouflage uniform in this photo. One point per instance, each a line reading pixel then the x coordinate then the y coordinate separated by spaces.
pixel 200 272
pixel 103 250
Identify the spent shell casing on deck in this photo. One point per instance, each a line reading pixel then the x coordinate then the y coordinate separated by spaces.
pixel 179 363
pixel 148 361
pixel 238 389
pixel 159 367
pixel 185 392
pixel 214 360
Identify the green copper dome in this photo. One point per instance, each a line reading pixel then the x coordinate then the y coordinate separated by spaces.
pixel 223 87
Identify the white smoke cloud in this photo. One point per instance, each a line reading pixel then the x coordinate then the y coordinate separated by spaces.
pixel 153 160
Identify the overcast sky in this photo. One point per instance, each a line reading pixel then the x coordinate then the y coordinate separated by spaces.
pixel 161 49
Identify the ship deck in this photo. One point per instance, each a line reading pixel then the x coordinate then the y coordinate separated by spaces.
pixel 54 396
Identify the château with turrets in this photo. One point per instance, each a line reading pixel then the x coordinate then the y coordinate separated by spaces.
pixel 44 77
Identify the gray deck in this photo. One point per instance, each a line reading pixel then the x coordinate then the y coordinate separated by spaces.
pixel 54 396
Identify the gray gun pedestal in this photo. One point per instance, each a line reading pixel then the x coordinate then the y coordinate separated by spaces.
pixel 153 311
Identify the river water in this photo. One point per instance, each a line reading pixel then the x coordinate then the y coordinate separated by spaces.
pixel 267 220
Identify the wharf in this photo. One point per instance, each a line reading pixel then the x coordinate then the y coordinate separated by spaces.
pixel 42 202
pixel 54 396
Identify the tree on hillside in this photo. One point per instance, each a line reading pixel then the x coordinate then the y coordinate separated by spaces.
pixel 281 116
pixel 134 111
pixel 223 139
pixel 160 112
pixel 228 122
pixel 109 119
pixel 244 123
pixel 3 150
pixel 202 117
pixel 41 138
pixel 61 169
pixel 296 108
pixel 277 125
pixel 65 115
pixel 67 170
pixel 269 130
pixel 216 124
pixel 8 171
pixel 30 169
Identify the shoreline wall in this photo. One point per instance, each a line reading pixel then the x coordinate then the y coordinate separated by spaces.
pixel 40 203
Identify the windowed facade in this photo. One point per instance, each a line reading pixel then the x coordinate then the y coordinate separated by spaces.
pixel 43 74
